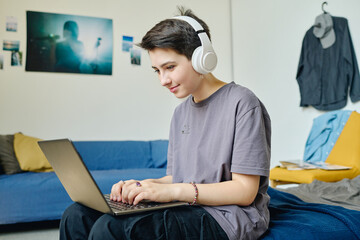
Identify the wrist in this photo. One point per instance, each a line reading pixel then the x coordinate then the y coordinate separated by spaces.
pixel 176 192
pixel 184 192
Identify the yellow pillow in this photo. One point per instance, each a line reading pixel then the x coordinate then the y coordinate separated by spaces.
pixel 29 154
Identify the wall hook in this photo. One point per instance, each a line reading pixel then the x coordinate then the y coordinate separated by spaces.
pixel 322 6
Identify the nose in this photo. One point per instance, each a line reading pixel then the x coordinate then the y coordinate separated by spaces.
pixel 164 80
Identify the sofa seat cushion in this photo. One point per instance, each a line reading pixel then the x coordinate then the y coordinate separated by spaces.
pixel 29 196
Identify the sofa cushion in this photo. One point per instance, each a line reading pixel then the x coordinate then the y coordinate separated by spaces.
pixel 159 149
pixel 29 154
pixel 103 155
pixel 8 161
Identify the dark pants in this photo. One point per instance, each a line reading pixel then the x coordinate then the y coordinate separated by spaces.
pixel 186 222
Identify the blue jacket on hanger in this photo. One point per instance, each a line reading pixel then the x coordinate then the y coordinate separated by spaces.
pixel 325 76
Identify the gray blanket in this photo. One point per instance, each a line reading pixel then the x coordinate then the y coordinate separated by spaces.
pixel 345 193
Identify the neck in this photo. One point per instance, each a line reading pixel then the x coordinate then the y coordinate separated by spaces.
pixel 208 86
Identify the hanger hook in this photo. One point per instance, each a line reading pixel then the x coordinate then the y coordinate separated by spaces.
pixel 322 6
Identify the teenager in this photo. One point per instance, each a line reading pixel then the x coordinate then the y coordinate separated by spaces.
pixel 218 155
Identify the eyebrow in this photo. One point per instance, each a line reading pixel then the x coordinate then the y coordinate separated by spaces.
pixel 165 63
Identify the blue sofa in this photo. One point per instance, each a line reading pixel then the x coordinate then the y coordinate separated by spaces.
pixel 30 196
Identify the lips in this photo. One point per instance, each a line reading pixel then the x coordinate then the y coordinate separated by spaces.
pixel 173 89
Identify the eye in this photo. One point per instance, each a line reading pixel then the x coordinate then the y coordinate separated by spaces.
pixel 170 67
pixel 156 70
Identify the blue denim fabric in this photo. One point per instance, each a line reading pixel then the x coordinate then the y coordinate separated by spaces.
pixel 325 131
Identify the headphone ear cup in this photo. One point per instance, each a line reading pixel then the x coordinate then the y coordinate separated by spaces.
pixel 203 63
pixel 196 60
pixel 209 61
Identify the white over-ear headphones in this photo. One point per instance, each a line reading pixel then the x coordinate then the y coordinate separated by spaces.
pixel 204 58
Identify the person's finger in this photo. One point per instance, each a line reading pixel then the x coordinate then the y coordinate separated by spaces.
pixel 116 189
pixel 133 194
pixel 139 197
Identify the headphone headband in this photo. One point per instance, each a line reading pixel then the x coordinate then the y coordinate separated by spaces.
pixel 195 24
pixel 204 58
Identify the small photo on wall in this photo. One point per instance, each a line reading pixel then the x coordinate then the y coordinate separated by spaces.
pixel 135 56
pixel 127 43
pixel 1 62
pixel 9 45
pixel 69 43
pixel 16 58
pixel 11 24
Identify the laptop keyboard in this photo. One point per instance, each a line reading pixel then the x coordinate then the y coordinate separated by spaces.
pixel 120 206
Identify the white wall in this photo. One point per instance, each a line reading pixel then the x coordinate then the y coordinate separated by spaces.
pixel 130 104
pixel 267 38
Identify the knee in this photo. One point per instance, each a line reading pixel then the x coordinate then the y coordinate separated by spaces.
pixel 75 210
pixel 80 213
pixel 107 227
pixel 76 221
pixel 70 218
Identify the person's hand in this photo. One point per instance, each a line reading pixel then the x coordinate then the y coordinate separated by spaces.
pixel 147 190
pixel 132 192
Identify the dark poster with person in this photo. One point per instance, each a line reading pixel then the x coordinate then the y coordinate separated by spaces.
pixel 69 43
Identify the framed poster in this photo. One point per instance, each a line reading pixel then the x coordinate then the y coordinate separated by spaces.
pixel 69 43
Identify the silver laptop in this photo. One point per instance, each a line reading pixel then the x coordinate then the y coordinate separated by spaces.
pixel 80 185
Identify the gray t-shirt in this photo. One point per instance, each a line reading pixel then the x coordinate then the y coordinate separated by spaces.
pixel 228 132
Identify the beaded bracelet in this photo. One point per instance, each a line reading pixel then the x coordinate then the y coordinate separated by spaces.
pixel 196 194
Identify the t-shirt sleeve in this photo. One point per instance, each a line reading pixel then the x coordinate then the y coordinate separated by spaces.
pixel 251 152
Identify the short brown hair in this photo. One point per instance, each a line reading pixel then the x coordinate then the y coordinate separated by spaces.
pixel 175 34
